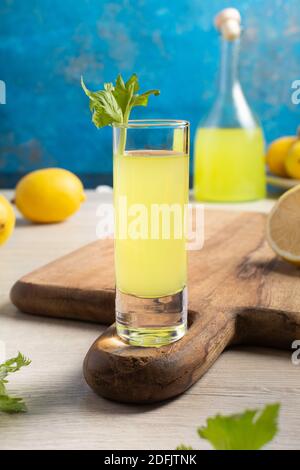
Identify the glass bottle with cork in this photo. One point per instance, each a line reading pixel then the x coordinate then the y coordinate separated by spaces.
pixel 229 144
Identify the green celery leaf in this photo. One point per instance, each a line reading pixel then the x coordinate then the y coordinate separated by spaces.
pixel 133 80
pixel 13 365
pixel 121 94
pixel 12 404
pixel 183 447
pixel 114 103
pixel 104 106
pixel 99 117
pixel 250 430
pixel 109 86
pixel 142 100
pixel 120 82
pixel 106 102
pixel 2 387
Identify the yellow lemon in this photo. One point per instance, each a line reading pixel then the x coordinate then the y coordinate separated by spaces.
pixel 277 153
pixel 283 224
pixel 292 162
pixel 7 219
pixel 49 195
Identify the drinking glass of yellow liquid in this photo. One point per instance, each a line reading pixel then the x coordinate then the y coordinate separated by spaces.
pixel 151 184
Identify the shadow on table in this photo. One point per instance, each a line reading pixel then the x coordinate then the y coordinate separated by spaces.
pixel 68 391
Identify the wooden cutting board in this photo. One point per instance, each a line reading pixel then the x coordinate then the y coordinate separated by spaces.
pixel 239 293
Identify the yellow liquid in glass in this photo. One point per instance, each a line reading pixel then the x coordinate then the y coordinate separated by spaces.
pixel 149 267
pixel 229 164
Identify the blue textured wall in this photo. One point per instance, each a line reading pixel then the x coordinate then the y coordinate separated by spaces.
pixel 45 45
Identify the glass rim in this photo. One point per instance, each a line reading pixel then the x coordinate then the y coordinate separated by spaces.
pixel 156 123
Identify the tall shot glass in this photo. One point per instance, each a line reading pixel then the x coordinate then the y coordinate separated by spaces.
pixel 151 184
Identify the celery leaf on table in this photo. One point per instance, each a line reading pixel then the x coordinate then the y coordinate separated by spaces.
pixel 183 447
pixel 250 430
pixel 10 404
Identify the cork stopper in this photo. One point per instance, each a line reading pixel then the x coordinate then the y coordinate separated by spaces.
pixel 228 22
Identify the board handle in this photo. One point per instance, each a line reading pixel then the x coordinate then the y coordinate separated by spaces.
pixel 124 373
pixel 129 374
pixel 266 328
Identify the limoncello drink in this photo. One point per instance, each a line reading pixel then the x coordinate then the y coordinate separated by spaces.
pixel 151 183
pixel 229 164
pixel 150 192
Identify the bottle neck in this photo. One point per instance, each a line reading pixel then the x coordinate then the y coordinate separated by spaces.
pixel 229 67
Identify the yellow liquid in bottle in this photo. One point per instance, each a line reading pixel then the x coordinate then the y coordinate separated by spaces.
pixel 229 164
pixel 150 267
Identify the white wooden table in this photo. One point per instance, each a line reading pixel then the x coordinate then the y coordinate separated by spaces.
pixel 65 414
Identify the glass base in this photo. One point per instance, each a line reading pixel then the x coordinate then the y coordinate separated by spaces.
pixel 151 322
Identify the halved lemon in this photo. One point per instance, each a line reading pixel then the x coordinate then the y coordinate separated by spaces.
pixel 283 226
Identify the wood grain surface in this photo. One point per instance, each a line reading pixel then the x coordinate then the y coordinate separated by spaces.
pixel 238 293
pixel 64 413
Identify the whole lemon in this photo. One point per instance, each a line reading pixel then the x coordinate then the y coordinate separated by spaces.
pixel 7 219
pixel 49 195
pixel 277 153
pixel 292 162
